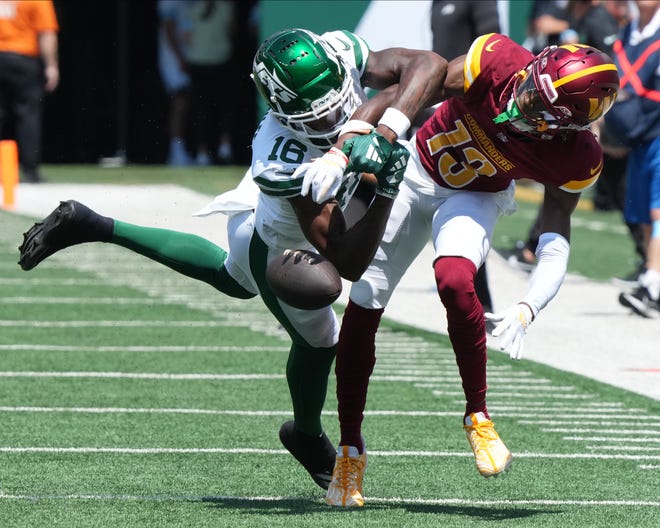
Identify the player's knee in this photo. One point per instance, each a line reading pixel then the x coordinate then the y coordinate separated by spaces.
pixel 454 277
pixel 372 294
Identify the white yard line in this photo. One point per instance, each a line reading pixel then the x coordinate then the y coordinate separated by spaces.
pixel 141 375
pixel 582 430
pixel 110 324
pixel 249 450
pixel 414 414
pixel 371 500
pixel 640 439
pixel 493 392
pixel 623 448
pixel 143 348
pixel 25 280
pixel 143 410
pixel 84 300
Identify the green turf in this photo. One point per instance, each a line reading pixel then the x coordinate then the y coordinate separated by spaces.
pixel 600 245
pixel 135 397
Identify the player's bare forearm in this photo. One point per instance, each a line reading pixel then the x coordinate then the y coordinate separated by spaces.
pixel 372 110
pixel 558 205
pixel 350 250
pixel 353 250
pixel 418 75
pixel 453 86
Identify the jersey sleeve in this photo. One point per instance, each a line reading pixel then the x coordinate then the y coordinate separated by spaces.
pixel 44 17
pixel 491 60
pixel 584 165
pixel 578 186
pixel 276 155
pixel 353 49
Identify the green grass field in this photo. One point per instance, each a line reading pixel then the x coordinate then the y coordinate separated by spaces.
pixel 134 397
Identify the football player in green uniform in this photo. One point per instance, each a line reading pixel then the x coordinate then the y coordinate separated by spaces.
pixel 313 85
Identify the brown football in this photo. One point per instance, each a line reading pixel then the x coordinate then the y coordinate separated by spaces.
pixel 304 279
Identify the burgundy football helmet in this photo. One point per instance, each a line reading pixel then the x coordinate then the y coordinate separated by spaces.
pixel 565 88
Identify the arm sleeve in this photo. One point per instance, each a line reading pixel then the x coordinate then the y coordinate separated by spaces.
pixel 552 253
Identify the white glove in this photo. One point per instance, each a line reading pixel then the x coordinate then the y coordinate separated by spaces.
pixel 513 324
pixel 324 176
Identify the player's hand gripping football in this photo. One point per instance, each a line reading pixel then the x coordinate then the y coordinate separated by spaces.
pixel 391 175
pixel 512 325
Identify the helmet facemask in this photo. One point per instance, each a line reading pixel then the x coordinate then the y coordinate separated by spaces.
pixel 322 123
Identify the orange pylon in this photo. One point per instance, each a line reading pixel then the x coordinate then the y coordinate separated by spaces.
pixel 8 172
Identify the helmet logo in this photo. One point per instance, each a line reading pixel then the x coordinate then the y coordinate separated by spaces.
pixel 331 96
pixel 277 89
pixel 598 107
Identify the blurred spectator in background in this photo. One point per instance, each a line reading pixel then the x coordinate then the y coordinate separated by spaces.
pixel 636 122
pixel 548 19
pixel 28 69
pixel 548 26
pixel 455 24
pixel 173 33
pixel 595 23
pixel 211 68
pixel 610 189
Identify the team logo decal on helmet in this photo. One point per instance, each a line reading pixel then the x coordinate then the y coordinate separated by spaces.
pixel 278 90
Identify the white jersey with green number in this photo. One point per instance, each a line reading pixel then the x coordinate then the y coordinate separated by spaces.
pixel 278 152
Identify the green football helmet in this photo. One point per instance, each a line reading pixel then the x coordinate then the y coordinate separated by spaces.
pixel 306 84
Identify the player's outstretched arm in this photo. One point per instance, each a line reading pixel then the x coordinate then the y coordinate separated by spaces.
pixel 552 253
pixel 419 76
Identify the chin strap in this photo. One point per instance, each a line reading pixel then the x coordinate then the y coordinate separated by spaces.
pixel 511 113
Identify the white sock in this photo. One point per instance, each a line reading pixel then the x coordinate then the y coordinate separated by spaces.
pixel 650 279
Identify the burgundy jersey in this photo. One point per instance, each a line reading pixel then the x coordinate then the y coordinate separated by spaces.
pixel 461 148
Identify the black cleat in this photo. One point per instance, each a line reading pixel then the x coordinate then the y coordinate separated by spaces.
pixel 641 303
pixel 316 454
pixel 69 224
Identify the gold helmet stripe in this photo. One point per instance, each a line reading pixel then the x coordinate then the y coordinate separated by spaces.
pixel 582 73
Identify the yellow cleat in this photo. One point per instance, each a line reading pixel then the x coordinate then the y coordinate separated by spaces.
pixel 490 453
pixel 346 486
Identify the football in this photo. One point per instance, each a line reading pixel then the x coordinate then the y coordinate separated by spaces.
pixel 304 279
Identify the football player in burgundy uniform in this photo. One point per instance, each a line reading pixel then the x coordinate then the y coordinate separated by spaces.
pixel 506 114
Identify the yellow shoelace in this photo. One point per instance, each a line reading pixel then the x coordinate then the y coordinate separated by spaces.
pixel 350 470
